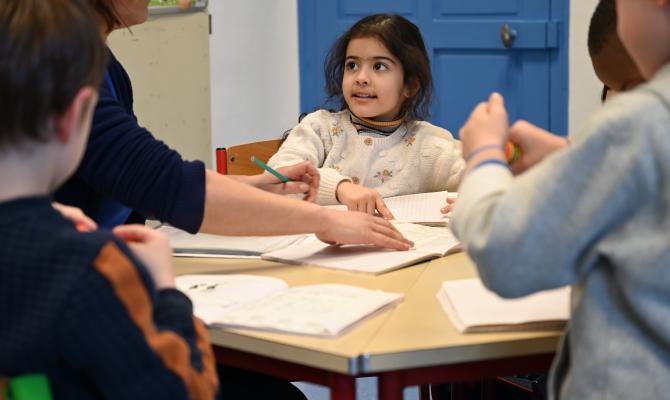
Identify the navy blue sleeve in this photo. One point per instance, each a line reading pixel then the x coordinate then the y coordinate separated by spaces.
pixel 123 161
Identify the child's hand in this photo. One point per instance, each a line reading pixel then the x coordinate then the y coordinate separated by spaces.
pixel 74 214
pixel 304 180
pixel 344 227
pixel 487 126
pixel 153 249
pixel 359 198
pixel 535 144
pixel 451 203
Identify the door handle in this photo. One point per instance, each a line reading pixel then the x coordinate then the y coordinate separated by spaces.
pixel 507 35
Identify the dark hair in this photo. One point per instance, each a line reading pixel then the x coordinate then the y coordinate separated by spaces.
pixel 107 12
pixel 49 50
pixel 602 27
pixel 403 39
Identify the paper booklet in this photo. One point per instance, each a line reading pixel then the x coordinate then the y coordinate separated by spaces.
pixel 265 303
pixel 429 242
pixel 473 308
pixel 420 208
pixel 185 244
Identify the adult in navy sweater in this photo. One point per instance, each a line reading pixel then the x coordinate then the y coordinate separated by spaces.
pixel 127 175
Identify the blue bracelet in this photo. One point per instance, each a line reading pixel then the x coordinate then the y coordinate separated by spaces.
pixel 490 161
pixel 482 148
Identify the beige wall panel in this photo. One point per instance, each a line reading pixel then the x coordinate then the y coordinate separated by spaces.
pixel 167 59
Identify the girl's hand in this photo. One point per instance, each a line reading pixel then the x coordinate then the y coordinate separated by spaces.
pixel 487 126
pixel 535 144
pixel 359 198
pixel 74 214
pixel 451 202
pixel 153 249
pixel 304 179
pixel 345 227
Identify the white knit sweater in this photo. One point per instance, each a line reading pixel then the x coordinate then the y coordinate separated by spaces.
pixel 418 157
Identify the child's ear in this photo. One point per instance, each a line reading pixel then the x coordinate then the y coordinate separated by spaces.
pixel 411 88
pixel 76 114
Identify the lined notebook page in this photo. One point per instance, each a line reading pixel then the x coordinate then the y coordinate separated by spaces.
pixel 419 208
pixel 473 308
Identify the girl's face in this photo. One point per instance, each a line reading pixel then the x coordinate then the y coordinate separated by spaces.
pixel 132 12
pixel 373 84
pixel 644 29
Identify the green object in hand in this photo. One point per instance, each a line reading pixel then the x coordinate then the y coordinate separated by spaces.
pixel 269 169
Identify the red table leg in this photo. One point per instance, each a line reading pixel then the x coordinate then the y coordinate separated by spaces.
pixel 391 386
pixel 342 387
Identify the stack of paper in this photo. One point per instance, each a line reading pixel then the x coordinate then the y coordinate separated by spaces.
pixel 264 303
pixel 473 308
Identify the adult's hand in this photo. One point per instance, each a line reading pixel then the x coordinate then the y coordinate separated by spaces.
pixel 347 227
pixel 304 179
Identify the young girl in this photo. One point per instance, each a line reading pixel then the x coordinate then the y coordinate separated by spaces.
pixel 593 215
pixel 378 145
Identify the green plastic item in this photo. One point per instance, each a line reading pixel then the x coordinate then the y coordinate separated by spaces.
pixel 29 387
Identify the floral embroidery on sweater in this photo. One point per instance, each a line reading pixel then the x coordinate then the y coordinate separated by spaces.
pixel 384 175
pixel 335 131
pixel 410 139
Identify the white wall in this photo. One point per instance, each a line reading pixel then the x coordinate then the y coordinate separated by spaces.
pixel 585 89
pixel 255 72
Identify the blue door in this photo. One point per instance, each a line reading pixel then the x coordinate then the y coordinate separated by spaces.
pixel 516 47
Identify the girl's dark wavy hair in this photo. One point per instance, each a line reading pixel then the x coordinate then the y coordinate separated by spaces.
pixel 403 39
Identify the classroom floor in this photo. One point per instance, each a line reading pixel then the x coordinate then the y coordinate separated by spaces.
pixel 366 389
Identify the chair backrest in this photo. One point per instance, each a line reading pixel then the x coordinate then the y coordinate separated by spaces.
pixel 25 387
pixel 238 158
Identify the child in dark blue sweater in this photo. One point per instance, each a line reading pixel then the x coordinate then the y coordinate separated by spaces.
pixel 96 312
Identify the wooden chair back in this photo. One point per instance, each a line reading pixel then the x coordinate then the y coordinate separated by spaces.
pixel 239 157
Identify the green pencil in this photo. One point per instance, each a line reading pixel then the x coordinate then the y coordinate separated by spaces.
pixel 269 169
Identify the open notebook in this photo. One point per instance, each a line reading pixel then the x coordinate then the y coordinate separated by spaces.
pixel 473 308
pixel 420 208
pixel 265 303
pixel 429 242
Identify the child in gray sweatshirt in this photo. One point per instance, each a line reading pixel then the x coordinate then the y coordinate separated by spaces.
pixel 595 215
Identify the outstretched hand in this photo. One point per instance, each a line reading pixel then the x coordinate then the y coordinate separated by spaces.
pixel 347 227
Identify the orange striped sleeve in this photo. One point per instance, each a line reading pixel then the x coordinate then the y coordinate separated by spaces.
pixel 4 385
pixel 171 348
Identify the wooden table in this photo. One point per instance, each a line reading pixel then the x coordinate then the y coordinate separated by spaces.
pixel 412 344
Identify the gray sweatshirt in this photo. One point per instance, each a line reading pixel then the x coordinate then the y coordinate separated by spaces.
pixel 596 216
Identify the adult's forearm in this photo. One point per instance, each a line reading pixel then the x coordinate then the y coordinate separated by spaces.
pixel 236 208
